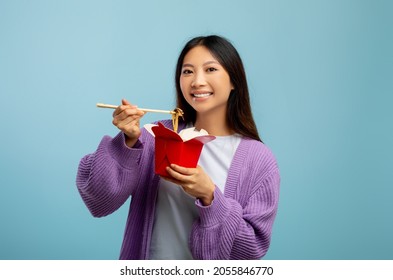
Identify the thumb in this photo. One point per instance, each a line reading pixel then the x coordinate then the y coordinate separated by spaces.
pixel 125 102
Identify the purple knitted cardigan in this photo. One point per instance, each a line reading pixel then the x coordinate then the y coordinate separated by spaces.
pixel 237 225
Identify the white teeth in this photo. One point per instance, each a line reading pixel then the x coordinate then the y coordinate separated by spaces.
pixel 199 95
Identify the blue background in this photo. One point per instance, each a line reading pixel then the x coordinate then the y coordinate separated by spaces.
pixel 320 76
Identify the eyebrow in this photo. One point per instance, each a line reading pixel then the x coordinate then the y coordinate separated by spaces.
pixel 204 64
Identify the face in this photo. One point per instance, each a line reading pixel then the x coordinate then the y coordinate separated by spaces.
pixel 205 84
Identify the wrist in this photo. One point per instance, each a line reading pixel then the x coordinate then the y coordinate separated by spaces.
pixel 208 198
pixel 130 142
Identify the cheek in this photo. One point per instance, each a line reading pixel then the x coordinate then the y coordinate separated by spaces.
pixel 183 85
pixel 223 81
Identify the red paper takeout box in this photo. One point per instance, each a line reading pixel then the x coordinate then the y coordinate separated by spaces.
pixel 171 148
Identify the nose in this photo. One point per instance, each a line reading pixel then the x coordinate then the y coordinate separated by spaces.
pixel 199 80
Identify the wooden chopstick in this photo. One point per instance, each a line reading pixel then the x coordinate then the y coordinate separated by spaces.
pixel 102 105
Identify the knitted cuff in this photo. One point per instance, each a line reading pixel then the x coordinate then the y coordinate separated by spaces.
pixel 123 154
pixel 214 213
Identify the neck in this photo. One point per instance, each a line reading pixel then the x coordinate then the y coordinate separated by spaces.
pixel 215 125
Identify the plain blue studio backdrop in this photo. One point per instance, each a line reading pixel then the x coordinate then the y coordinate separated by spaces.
pixel 321 83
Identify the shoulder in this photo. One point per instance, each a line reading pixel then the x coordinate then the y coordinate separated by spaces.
pixel 257 156
pixel 256 148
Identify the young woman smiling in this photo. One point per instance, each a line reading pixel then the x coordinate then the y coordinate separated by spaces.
pixel 222 209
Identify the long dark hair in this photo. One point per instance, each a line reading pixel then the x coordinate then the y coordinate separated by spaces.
pixel 239 115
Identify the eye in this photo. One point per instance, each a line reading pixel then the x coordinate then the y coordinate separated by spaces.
pixel 211 69
pixel 186 71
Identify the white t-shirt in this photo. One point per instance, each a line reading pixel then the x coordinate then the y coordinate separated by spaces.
pixel 176 210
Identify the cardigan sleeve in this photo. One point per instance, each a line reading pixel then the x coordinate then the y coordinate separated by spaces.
pixel 107 177
pixel 226 230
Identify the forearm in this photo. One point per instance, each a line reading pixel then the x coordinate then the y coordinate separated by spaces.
pixel 106 178
pixel 226 230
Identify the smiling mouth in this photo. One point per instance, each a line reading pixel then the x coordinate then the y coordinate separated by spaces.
pixel 201 95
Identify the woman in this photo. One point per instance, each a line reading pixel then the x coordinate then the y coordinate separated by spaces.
pixel 222 209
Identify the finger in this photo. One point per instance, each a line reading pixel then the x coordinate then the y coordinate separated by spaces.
pixel 120 109
pixel 128 124
pixel 134 121
pixel 125 102
pixel 176 175
pixel 125 125
pixel 124 105
pixel 129 112
pixel 183 170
